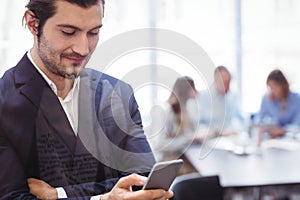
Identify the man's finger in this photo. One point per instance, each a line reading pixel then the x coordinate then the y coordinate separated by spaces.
pixel 131 180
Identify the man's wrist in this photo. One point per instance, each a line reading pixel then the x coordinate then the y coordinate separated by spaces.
pixel 103 197
pixel 54 193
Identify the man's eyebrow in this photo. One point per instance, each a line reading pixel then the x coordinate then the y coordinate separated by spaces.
pixel 97 27
pixel 76 28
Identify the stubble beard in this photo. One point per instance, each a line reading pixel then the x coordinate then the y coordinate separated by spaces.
pixel 47 56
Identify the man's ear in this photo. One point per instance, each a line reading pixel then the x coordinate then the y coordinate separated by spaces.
pixel 31 22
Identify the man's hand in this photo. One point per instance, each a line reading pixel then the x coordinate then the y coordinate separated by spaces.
pixel 41 189
pixel 122 190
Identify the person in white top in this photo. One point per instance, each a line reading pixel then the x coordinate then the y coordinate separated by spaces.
pixel 181 123
pixel 218 106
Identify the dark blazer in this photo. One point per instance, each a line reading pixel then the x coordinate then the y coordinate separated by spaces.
pixel 36 138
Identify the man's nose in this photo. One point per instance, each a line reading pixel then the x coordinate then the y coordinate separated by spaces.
pixel 81 46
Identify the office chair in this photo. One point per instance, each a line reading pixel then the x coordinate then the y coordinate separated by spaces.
pixel 196 187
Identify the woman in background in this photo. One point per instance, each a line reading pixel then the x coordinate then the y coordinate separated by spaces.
pixel 280 110
pixel 180 124
pixel 180 120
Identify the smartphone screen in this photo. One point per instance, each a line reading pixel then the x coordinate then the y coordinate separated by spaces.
pixel 163 174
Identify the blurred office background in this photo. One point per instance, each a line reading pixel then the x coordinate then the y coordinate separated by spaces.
pixel 250 37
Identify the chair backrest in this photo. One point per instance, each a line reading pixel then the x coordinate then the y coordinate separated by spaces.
pixel 196 187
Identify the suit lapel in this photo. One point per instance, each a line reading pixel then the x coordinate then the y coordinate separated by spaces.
pixel 85 112
pixel 30 81
pixel 35 88
pixel 90 132
pixel 56 117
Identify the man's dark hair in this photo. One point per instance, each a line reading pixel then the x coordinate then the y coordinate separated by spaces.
pixel 44 9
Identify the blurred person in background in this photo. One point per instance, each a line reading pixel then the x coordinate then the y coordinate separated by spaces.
pixel 180 121
pixel 218 106
pixel 181 124
pixel 279 111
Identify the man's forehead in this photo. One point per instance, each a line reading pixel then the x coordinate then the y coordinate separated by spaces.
pixel 68 7
pixel 68 13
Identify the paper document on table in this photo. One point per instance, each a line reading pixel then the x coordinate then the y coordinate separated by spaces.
pixel 239 144
pixel 222 143
pixel 285 144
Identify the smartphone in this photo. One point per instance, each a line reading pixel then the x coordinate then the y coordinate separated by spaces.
pixel 163 174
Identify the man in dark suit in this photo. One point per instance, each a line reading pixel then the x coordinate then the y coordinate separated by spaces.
pixel 66 131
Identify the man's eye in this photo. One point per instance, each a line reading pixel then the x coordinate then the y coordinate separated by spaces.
pixel 94 32
pixel 68 33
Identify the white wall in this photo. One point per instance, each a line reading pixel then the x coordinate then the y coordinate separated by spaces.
pixel 270 38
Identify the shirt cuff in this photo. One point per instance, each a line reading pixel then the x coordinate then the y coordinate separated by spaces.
pixel 61 193
pixel 96 197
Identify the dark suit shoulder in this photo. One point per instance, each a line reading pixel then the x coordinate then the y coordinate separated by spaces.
pixel 94 74
pixel 7 84
pixel 8 75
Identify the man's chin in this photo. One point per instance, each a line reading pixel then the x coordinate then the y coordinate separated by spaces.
pixel 70 76
pixel 74 73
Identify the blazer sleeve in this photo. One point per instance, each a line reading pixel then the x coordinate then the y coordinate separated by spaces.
pixel 12 178
pixel 13 183
pixel 87 190
pixel 138 157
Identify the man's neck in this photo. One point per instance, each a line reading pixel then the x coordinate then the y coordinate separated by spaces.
pixel 63 85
